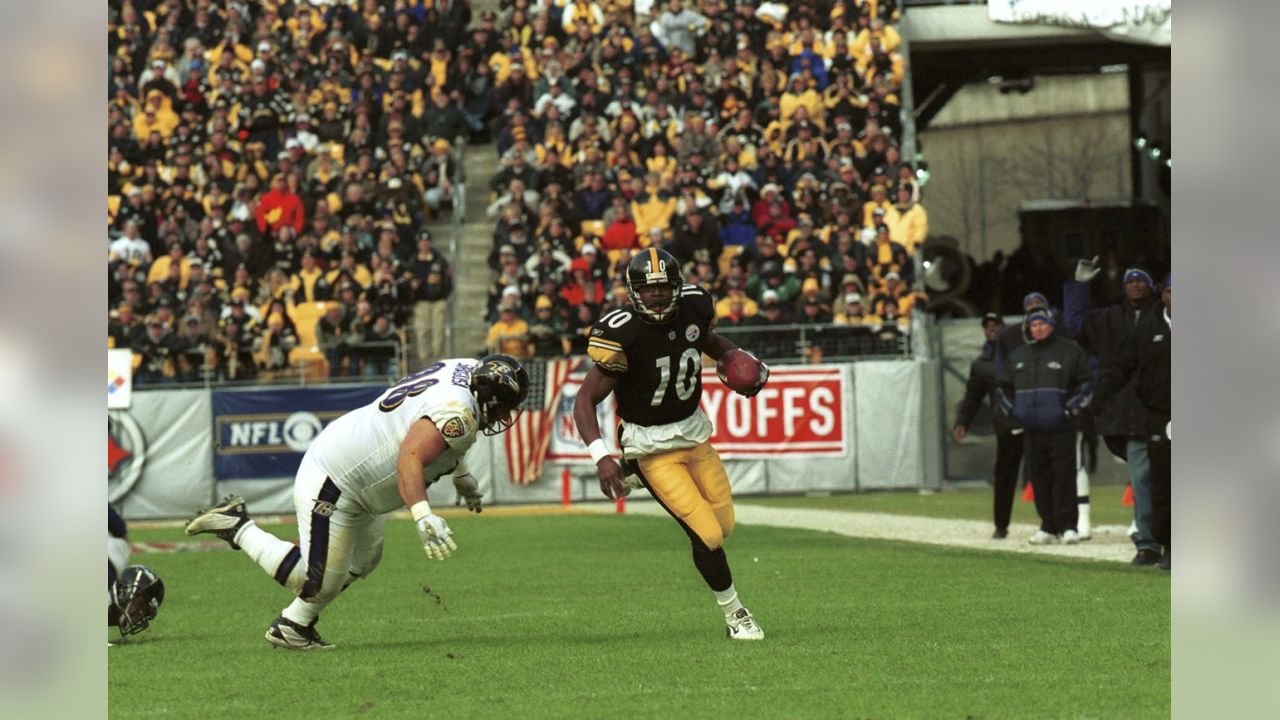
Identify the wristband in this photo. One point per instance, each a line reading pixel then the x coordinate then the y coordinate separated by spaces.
pixel 420 510
pixel 598 450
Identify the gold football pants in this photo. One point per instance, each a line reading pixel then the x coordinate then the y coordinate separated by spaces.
pixel 692 486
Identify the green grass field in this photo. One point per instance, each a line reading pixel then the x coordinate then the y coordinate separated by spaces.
pixel 604 616
pixel 1104 503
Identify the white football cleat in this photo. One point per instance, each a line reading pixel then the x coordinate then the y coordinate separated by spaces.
pixel 1070 537
pixel 287 634
pixel 1043 538
pixel 741 626
pixel 223 520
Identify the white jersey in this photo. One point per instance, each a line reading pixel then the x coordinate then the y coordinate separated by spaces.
pixel 129 249
pixel 359 450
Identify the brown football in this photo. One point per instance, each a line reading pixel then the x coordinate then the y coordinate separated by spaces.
pixel 738 370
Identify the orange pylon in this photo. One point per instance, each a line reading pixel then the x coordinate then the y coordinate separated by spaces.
pixel 1028 495
pixel 1127 500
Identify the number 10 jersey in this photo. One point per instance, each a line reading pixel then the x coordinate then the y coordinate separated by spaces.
pixel 658 366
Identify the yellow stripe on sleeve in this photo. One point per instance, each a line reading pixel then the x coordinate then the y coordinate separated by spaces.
pixel 606 358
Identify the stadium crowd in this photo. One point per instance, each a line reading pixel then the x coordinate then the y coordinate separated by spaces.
pixel 265 156
pixel 756 142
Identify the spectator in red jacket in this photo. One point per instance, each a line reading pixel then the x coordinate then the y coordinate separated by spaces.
pixel 280 206
pixel 621 233
pixel 761 210
pixel 574 290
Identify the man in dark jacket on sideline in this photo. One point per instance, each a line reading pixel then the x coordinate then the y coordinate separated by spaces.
pixel 983 383
pixel 1120 418
pixel 1144 361
pixel 1011 338
pixel 1044 386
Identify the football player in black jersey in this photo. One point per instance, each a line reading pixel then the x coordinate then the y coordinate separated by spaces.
pixel 650 356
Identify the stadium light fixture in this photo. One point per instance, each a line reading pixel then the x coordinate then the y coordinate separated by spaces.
pixel 1140 143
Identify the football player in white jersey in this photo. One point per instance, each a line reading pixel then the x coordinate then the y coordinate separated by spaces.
pixel 367 463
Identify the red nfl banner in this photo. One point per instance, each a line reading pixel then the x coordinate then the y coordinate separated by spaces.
pixel 800 412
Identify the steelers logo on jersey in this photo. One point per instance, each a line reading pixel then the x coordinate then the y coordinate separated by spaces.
pixel 453 428
pixel 692 333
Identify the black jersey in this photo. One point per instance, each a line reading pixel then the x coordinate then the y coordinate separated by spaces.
pixel 658 366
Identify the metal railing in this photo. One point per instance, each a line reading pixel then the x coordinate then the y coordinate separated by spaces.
pixel 300 374
pixel 797 343
pixel 458 214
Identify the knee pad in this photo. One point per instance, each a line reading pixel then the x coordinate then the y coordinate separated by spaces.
pixel 726 525
pixel 368 566
pixel 725 516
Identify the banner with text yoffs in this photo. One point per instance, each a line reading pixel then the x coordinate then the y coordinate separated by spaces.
pixel 800 413
pixel 263 433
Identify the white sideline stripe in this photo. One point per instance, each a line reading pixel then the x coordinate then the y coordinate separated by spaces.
pixel 1110 543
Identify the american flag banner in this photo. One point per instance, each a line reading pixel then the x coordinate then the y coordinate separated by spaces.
pixel 528 439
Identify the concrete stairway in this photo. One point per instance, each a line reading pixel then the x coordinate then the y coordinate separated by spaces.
pixel 471 275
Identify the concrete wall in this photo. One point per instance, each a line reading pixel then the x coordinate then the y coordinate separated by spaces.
pixel 987 152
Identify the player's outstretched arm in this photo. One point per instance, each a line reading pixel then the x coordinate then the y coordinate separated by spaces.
pixel 717 345
pixel 422 445
pixel 595 388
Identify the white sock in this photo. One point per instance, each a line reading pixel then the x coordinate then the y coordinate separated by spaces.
pixel 728 600
pixel 269 552
pixel 302 612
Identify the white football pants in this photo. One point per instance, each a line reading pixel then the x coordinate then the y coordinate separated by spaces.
pixel 338 543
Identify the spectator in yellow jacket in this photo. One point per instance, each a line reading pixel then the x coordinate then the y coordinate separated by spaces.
pixel 652 206
pixel 159 270
pixel 800 95
pixel 157 115
pixel 509 335
pixel 907 220
pixel 879 199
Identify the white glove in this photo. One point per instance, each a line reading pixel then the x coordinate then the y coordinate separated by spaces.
pixel 764 377
pixel 437 538
pixel 1087 270
pixel 1168 431
pixel 468 490
pixel 632 481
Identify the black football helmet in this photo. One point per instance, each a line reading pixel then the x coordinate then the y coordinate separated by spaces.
pixel 654 266
pixel 136 596
pixel 500 385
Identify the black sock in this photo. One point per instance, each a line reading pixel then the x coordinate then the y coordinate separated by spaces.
pixel 714 566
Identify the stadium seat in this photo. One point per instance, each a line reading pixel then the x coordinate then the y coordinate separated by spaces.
pixel 307 357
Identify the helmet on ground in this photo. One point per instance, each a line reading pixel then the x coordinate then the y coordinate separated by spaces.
pixel 500 385
pixel 137 596
pixel 654 267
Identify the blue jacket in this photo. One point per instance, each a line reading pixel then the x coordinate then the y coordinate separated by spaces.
pixel 738 230
pixel 1046 384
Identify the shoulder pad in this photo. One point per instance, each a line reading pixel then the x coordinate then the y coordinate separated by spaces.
pixel 609 339
pixel 455 420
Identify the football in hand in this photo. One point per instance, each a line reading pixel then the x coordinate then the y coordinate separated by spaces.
pixel 739 370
